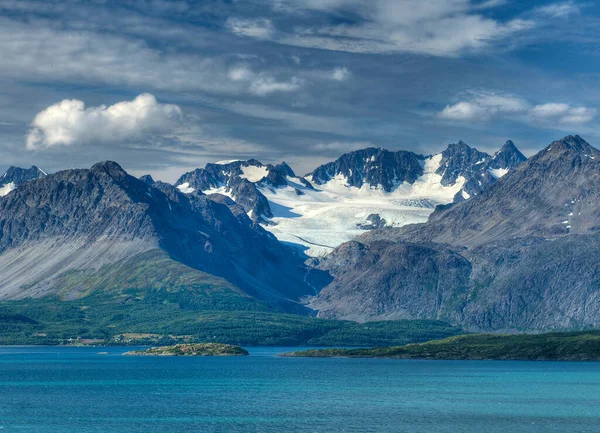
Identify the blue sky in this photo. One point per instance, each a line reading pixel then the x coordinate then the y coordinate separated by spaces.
pixel 166 86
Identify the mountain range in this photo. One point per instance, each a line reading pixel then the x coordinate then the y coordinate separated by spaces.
pixel 361 190
pixel 485 242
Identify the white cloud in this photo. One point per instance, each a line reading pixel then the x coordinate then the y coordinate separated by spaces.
pixel 262 84
pixel 559 10
pixel 261 28
pixel 44 53
pixel 340 74
pixel 484 105
pixel 441 28
pixel 70 122
pixel 562 114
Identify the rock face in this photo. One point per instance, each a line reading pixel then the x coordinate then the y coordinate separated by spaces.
pixel 372 166
pixel 15 176
pixel 80 220
pixel 522 255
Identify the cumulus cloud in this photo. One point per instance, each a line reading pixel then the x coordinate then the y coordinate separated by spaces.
pixel 440 28
pixel 261 28
pixel 70 122
pixel 483 106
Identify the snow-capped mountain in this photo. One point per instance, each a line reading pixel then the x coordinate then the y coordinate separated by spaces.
pixel 361 190
pixel 15 176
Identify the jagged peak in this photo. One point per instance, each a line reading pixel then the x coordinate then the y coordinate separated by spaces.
pixel 509 153
pixel 508 146
pixel 285 168
pixel 459 147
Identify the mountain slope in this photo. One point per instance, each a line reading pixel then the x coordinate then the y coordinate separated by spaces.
pixel 522 255
pixel 84 221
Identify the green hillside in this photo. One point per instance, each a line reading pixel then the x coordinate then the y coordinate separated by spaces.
pixel 571 346
pixel 152 299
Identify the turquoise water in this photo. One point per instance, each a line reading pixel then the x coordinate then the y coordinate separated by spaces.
pixel 79 390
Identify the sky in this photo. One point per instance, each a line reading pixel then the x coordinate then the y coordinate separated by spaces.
pixel 163 87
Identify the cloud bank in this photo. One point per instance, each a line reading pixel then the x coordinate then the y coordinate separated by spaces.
pixel 486 105
pixel 445 28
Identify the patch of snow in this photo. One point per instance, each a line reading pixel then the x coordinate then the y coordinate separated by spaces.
pixel 498 172
pixel 185 188
pixel 7 188
pixel 223 190
pixel 253 173
pixel 465 195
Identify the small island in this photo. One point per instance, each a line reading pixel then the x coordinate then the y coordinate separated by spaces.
pixel 572 346
pixel 193 349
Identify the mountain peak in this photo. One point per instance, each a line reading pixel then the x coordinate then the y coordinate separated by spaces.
pixel 507 157
pixel 573 143
pixel 509 146
pixel 111 168
pixel 147 179
pixel 458 147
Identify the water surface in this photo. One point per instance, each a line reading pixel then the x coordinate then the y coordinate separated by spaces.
pixel 68 389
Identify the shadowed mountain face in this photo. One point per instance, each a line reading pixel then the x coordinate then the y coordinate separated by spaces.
pixel 522 255
pixel 79 221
